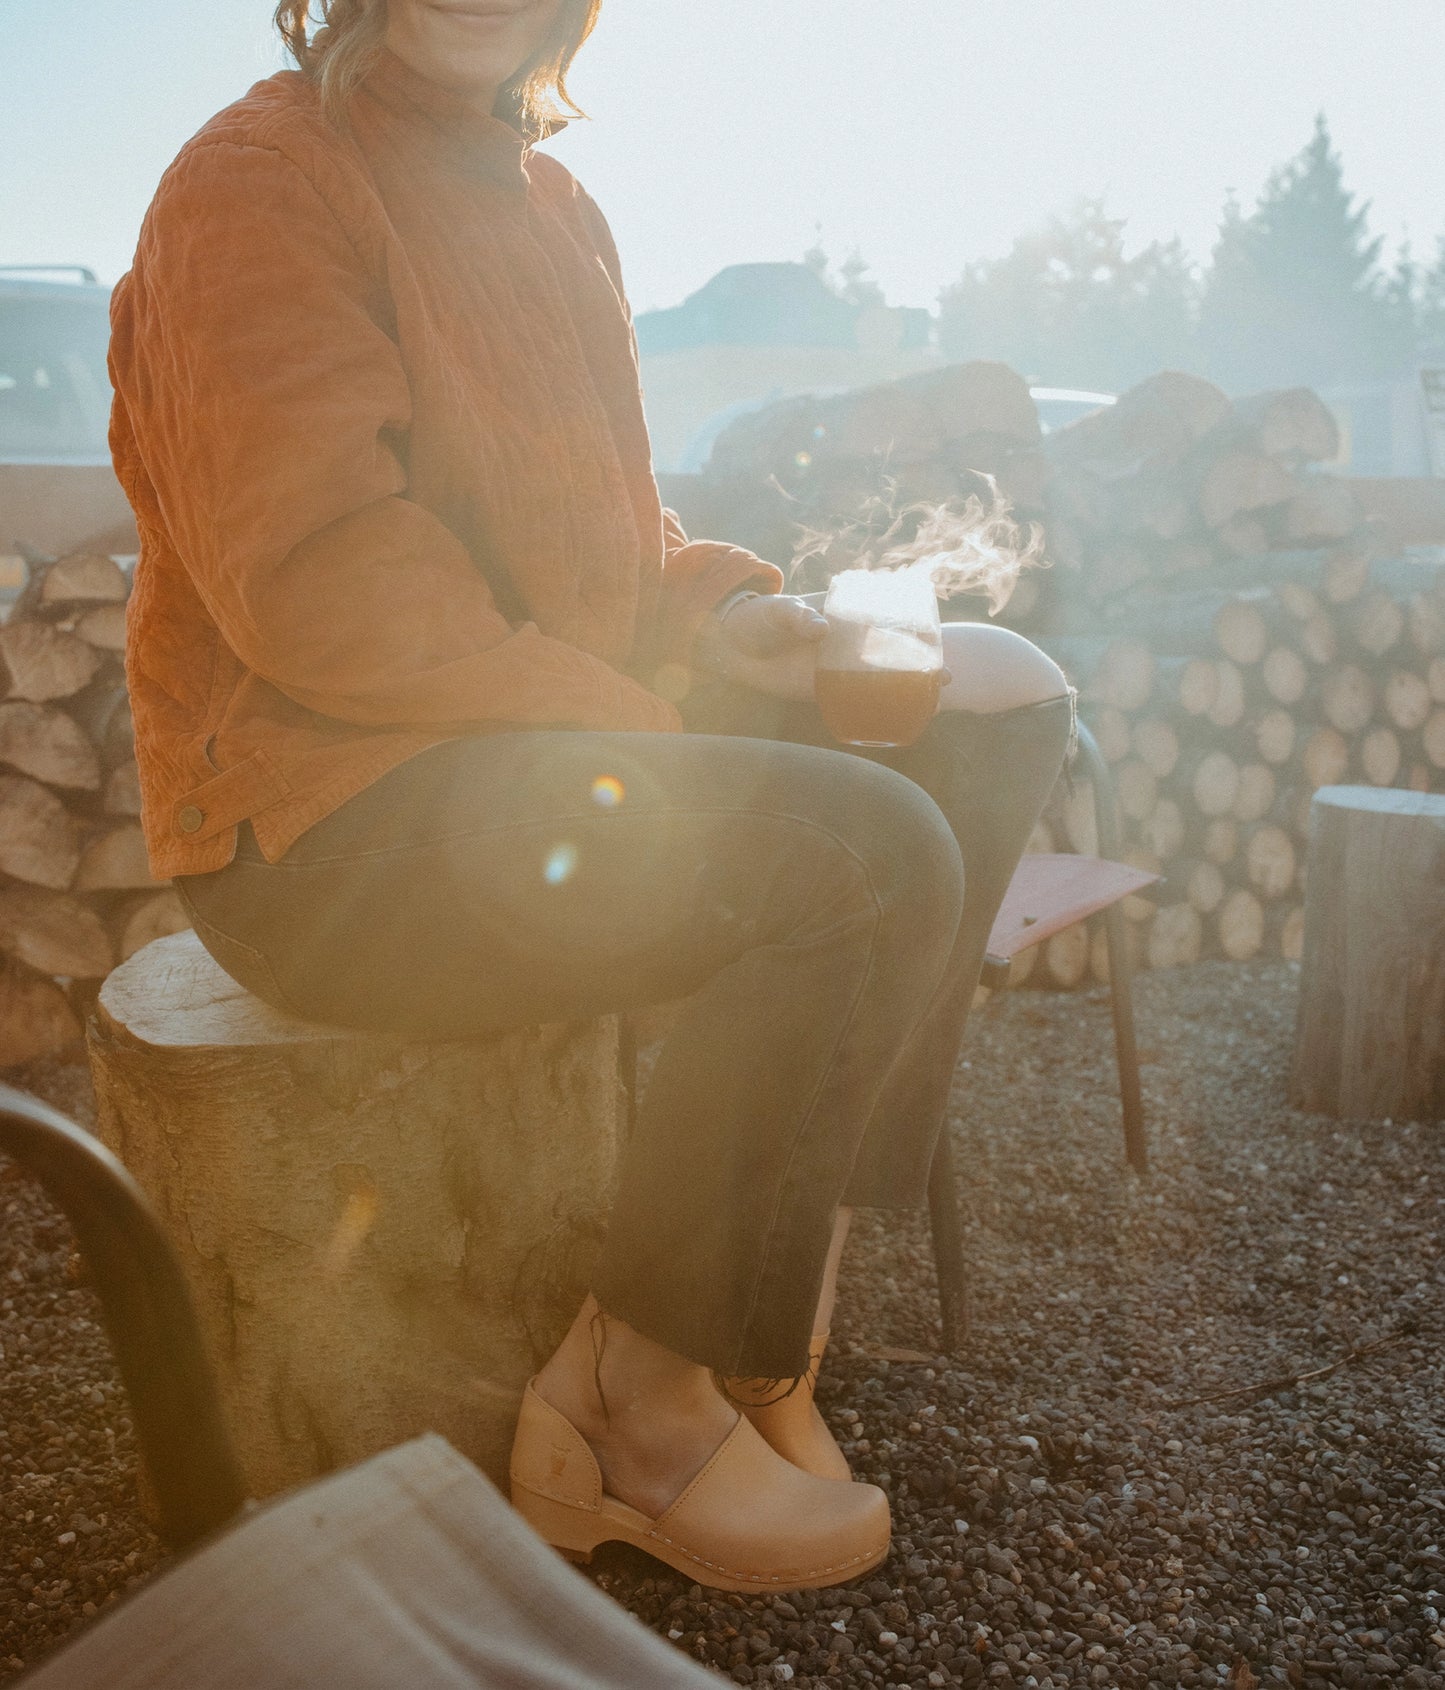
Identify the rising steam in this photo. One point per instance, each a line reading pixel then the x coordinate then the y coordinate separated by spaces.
pixel 968 547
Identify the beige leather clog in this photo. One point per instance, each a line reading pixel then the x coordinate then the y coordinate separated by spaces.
pixel 749 1520
pixel 792 1424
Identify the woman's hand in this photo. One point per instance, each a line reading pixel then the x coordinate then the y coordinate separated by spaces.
pixel 769 642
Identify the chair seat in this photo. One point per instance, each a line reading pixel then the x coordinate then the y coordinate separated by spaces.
pixel 406 1573
pixel 1051 891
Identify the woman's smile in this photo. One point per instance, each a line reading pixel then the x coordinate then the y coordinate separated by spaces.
pixel 477 46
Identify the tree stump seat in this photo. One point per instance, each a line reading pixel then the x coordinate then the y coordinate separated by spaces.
pixel 1370 1040
pixel 383 1237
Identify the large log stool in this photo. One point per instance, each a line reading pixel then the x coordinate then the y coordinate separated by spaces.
pixel 383 1238
pixel 1370 1041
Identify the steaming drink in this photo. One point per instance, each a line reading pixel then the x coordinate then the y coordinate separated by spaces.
pixel 878 706
pixel 880 665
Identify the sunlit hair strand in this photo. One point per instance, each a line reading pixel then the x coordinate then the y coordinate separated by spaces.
pixel 337 42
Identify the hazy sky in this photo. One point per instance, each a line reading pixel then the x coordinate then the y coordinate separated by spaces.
pixel 923 132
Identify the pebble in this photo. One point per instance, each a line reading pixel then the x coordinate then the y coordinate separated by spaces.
pixel 1058 1521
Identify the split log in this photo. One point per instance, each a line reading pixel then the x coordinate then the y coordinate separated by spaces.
pixel 1285 932
pixel 1376 622
pixel 122 791
pixel 1140 906
pixel 39 839
pixel 146 917
pixel 1243 536
pixel 1324 510
pixel 1240 484
pixel 1275 734
pixel 1347 699
pixel 1156 423
pixel 53 933
pixel 1112 732
pixel 381 1238
pixel 1125 675
pixel 1325 758
pixel 1269 861
pixel 1425 613
pixel 1318 640
pixel 43 742
pixel 1200 882
pixel 1294 425
pixel 1284 676
pixel 40 663
pixel 1380 756
pixel 1344 572
pixel 1176 937
pixel 103 627
pixel 1219 841
pixel 115 861
pixel 1136 789
pixel 74 583
pixel 1191 683
pixel 1211 778
pixel 103 712
pixel 1435 679
pixel 1432 739
pixel 1156 744
pixel 1164 832
pixel 1230 699
pixel 36 1020
pixel 1255 794
pixel 1065 959
pixel 1239 925
pixel 1370 1039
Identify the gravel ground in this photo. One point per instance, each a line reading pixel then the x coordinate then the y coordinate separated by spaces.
pixel 1077 1501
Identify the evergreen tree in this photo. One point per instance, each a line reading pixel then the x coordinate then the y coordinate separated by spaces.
pixel 1295 294
pixel 1430 310
pixel 1067 307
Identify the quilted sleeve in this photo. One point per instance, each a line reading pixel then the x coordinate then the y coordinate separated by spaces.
pixel 270 410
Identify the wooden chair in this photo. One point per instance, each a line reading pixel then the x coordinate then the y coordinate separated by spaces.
pixel 1047 894
pixel 408 1569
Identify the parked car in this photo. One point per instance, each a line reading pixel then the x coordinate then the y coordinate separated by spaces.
pixel 58 492
pixel 1059 405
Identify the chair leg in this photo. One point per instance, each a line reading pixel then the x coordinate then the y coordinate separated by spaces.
pixel 948 1246
pixel 1121 1001
pixel 191 1461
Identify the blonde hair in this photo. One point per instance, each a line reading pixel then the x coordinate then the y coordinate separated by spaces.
pixel 348 37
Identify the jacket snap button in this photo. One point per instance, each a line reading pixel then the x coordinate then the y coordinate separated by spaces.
pixel 191 819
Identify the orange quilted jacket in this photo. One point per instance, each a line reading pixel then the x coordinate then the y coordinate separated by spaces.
pixel 377 412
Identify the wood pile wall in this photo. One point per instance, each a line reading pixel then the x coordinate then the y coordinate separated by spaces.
pixel 1237 627
pixel 76 896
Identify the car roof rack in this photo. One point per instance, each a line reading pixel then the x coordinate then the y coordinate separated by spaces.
pixel 83 271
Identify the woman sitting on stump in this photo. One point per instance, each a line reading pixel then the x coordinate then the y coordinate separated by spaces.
pixel 445 728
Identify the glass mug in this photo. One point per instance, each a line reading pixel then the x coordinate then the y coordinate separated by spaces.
pixel 880 665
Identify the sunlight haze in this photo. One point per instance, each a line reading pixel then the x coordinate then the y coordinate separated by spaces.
pixel 923 133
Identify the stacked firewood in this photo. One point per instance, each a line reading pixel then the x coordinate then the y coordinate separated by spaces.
pixel 844 467
pixel 76 896
pixel 1240 639
pixel 1231 612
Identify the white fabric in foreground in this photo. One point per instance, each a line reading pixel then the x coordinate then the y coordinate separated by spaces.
pixel 408 1572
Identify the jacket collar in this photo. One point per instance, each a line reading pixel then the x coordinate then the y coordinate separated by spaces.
pixel 444 121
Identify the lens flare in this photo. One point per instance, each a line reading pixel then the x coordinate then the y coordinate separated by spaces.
pixel 608 792
pixel 561 865
pixel 803 460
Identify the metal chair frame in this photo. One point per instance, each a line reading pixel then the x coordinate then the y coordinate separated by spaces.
pixel 191 1462
pixel 943 1208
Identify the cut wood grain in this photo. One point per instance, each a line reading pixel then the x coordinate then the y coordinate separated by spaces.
pixel 1370 1039
pixel 40 663
pixel 114 861
pixel 43 742
pixel 39 839
pixel 53 933
pixel 36 1020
